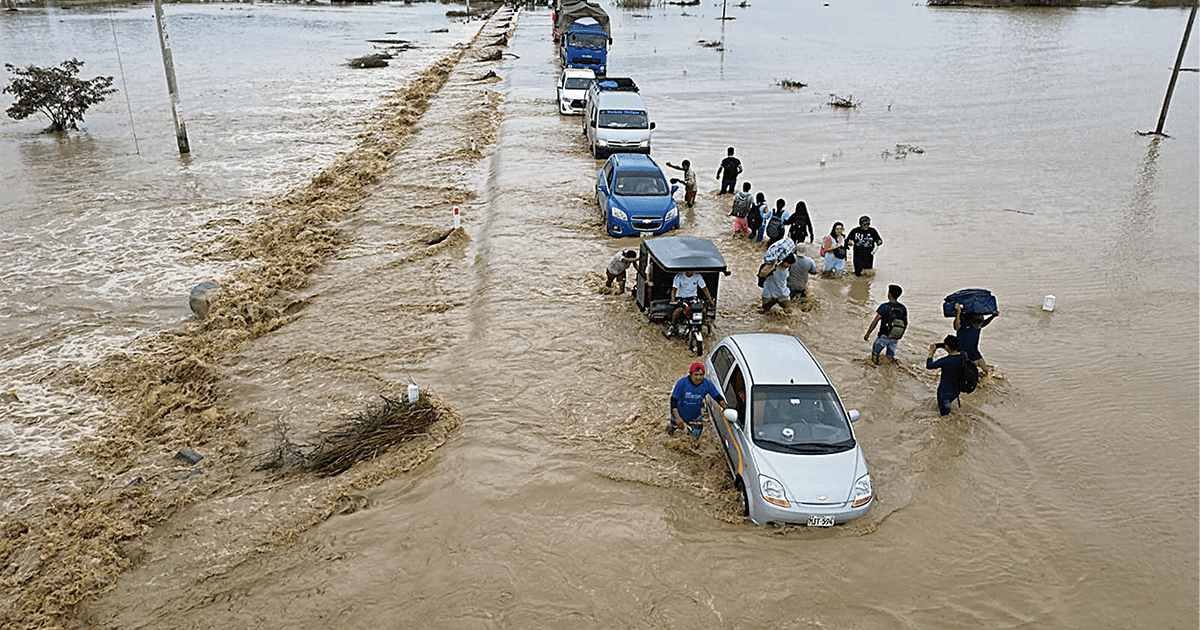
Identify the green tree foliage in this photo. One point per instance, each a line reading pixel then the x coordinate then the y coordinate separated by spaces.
pixel 55 92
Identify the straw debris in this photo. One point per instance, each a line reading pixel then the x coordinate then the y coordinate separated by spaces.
pixel 362 437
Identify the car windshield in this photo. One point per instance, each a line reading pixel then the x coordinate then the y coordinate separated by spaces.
pixel 577 83
pixel 594 41
pixel 622 119
pixel 799 419
pixel 640 183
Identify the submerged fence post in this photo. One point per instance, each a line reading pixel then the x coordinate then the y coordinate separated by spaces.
pixel 169 65
pixel 1162 118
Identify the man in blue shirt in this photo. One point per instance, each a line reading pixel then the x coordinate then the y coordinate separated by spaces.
pixel 687 401
pixel 967 330
pixel 947 391
pixel 894 316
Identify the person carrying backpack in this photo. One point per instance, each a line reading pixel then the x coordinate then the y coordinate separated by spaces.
pixel 774 228
pixel 894 318
pixel 742 202
pixel 754 220
pixel 959 376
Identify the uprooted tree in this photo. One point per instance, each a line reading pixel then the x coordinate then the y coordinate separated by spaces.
pixel 55 92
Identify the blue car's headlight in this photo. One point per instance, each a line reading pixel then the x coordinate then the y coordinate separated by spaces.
pixel 772 491
pixel 672 213
pixel 862 491
pixel 618 214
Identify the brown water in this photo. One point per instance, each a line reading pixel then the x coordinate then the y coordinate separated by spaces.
pixel 1061 495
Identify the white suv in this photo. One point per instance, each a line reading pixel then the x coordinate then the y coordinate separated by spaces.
pixel 572 89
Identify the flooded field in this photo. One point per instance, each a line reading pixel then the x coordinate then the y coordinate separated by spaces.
pixel 1062 494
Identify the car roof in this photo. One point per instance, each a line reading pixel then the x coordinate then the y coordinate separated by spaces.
pixel 680 253
pixel 774 359
pixel 580 72
pixel 620 100
pixel 634 161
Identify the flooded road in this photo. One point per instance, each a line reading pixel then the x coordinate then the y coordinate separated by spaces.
pixel 1062 494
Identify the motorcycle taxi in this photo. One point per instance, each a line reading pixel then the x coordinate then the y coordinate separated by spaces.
pixel 658 262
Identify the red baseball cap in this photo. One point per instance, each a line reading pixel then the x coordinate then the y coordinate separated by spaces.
pixel 697 367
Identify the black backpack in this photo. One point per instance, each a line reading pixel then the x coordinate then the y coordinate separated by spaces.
pixel 893 324
pixel 775 227
pixel 754 219
pixel 968 375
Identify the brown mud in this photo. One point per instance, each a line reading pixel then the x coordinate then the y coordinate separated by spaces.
pixel 166 391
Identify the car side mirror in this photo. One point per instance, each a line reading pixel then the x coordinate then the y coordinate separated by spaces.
pixel 652 125
pixel 602 188
pixel 731 415
pixel 853 415
pixel 674 188
pixel 592 124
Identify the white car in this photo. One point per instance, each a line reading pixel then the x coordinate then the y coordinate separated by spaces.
pixel 572 89
pixel 788 440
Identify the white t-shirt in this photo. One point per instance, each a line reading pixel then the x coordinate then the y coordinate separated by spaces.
pixel 686 287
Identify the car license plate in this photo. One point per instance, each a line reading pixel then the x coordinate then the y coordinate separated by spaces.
pixel 816 520
pixel 645 234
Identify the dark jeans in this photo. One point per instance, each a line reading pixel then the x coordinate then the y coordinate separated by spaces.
pixel 863 259
pixel 728 185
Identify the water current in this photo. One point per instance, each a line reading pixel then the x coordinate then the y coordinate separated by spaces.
pixel 1063 494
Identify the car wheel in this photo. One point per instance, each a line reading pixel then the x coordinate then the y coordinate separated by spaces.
pixel 743 498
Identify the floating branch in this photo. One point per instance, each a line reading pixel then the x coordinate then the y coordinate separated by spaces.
pixel 789 84
pixel 713 45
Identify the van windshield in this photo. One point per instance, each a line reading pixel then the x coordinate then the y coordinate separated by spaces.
pixel 640 183
pixel 622 119
pixel 591 41
pixel 799 419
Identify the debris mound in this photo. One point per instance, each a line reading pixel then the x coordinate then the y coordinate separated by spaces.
pixel 359 438
pixel 843 101
pixel 375 60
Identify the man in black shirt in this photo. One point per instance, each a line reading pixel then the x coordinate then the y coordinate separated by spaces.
pixel 864 238
pixel 728 172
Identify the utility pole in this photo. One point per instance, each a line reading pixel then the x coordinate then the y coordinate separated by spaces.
pixel 180 126
pixel 1162 118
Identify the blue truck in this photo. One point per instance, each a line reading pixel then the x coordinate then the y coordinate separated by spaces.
pixel 582 31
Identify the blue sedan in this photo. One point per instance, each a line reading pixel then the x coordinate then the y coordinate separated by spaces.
pixel 634 196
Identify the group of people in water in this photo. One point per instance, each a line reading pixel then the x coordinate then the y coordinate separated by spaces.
pixel 785 270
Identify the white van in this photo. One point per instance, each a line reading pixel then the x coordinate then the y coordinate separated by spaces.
pixel 615 118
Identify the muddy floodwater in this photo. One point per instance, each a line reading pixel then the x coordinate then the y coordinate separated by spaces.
pixel 1063 493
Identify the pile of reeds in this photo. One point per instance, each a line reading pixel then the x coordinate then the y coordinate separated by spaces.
pixel 843 101
pixel 361 437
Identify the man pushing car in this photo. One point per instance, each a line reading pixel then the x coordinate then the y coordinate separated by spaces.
pixel 687 400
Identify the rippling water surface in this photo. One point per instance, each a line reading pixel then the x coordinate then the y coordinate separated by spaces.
pixel 1061 495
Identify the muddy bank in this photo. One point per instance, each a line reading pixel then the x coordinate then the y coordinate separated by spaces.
pixel 166 394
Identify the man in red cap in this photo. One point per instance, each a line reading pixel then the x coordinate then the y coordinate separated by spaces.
pixel 687 401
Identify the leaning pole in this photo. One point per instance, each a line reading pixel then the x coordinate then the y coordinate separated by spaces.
pixel 180 126
pixel 1162 118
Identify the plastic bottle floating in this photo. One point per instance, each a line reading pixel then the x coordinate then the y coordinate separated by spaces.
pixel 1048 303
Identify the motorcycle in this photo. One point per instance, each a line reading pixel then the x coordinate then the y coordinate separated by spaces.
pixel 693 324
